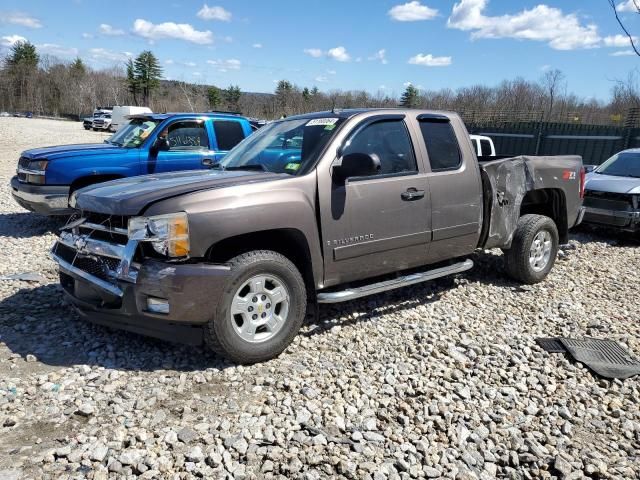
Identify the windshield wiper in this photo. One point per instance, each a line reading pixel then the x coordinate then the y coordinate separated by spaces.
pixel 251 166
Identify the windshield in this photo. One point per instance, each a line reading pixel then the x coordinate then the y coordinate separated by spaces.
pixel 133 133
pixel 286 146
pixel 625 164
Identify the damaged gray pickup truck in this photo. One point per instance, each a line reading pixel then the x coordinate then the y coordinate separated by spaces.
pixel 316 208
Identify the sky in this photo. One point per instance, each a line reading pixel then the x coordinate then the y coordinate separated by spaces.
pixel 375 45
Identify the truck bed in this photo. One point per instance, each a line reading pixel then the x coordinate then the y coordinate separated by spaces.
pixel 509 182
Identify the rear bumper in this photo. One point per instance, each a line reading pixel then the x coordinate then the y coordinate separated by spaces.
pixel 43 199
pixel 623 220
pixel 192 292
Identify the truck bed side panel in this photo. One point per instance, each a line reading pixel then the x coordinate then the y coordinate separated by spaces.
pixel 512 178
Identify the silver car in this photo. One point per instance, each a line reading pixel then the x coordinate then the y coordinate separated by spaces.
pixel 612 192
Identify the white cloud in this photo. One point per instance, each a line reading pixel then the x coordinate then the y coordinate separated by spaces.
pixel 618 41
pixel 629 6
pixel 382 87
pixel 430 61
pixel 339 53
pixel 226 65
pixel 257 45
pixel 87 35
pixel 321 79
pixel 196 74
pixel 20 18
pixel 412 12
pixel 107 29
pixel 623 53
pixel 314 52
pixel 10 40
pixel 380 55
pixel 57 50
pixel 180 31
pixel 104 55
pixel 214 13
pixel 331 72
pixel 540 23
pixel 190 64
pixel 406 84
pixel 169 61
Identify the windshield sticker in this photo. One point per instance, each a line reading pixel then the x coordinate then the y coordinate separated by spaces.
pixel 292 166
pixel 329 127
pixel 321 121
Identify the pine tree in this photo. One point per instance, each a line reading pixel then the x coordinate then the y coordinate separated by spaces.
pixel 232 96
pixel 77 69
pixel 132 82
pixel 147 74
pixel 410 97
pixel 23 54
pixel 214 97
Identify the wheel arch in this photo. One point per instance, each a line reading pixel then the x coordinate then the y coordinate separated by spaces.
pixel 290 242
pixel 87 180
pixel 550 202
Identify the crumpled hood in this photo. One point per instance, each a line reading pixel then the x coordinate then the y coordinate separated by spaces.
pixel 83 149
pixel 611 183
pixel 129 196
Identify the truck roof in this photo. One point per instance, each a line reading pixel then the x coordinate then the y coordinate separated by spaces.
pixel 164 116
pixel 350 112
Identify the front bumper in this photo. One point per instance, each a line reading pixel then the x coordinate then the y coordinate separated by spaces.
pixel 619 219
pixel 192 292
pixel 43 199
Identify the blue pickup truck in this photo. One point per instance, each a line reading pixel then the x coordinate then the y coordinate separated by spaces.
pixel 150 143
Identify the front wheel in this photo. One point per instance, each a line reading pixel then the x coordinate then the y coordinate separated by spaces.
pixel 533 250
pixel 261 310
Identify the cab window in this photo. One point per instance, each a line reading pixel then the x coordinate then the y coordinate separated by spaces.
pixel 390 141
pixel 187 135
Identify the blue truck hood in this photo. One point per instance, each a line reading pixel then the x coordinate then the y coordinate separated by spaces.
pixel 83 149
pixel 612 183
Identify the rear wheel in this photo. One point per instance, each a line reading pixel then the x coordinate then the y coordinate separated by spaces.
pixel 533 250
pixel 261 310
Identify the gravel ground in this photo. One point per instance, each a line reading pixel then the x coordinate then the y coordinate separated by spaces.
pixel 439 380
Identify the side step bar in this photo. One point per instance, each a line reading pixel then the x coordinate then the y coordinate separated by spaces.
pixel 353 293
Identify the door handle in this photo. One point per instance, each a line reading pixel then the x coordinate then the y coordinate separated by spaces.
pixel 412 194
pixel 207 162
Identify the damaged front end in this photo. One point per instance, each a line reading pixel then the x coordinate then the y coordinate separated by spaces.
pixel 114 278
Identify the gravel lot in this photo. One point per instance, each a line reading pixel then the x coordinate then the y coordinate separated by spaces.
pixel 439 380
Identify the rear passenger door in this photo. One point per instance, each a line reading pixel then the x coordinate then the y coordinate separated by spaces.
pixel 376 224
pixel 455 186
pixel 189 147
pixel 228 133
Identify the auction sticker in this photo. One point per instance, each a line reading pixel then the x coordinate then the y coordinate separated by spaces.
pixel 321 121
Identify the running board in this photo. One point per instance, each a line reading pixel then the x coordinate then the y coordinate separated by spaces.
pixel 353 293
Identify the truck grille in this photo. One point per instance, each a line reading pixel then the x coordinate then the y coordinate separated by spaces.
pixel 96 247
pixel 23 162
pixel 608 200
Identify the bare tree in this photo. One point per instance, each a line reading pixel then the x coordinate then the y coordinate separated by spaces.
pixel 636 4
pixel 552 82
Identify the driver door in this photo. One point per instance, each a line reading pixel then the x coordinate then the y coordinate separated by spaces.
pixel 381 223
pixel 189 147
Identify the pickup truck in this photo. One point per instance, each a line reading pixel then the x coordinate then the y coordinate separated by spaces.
pixel 311 209
pixel 150 143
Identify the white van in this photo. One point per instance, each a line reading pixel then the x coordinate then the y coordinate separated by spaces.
pixel 119 114
pixel 483 145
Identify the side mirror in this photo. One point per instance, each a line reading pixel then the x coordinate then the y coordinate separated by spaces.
pixel 357 165
pixel 160 145
pixel 590 168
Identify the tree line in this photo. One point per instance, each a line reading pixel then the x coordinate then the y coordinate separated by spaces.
pixel 45 85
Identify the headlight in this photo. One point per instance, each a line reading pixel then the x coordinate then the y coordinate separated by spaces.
pixel 38 165
pixel 168 234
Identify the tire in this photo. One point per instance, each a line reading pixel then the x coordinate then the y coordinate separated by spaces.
pixel 228 332
pixel 524 264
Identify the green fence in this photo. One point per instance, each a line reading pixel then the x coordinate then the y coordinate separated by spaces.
pixel 595 143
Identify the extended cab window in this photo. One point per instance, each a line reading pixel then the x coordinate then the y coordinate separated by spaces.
pixel 389 140
pixel 442 145
pixel 187 135
pixel 229 133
